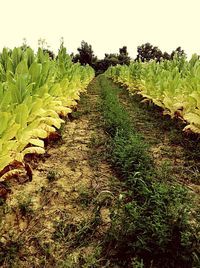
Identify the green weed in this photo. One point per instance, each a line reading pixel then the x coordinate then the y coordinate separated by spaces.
pixel 153 221
pixel 25 207
pixel 9 252
pixel 78 234
pixel 51 175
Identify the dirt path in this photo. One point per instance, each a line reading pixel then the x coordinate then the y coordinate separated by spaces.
pixel 51 220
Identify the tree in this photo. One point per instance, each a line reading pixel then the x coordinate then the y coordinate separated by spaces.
pixel 109 60
pixel 123 56
pixel 179 52
pixel 86 55
pixel 147 52
pixel 112 59
pixel 166 56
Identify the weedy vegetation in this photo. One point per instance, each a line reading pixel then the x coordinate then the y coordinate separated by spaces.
pixel 154 223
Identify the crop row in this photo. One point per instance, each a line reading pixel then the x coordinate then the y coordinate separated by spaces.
pixel 172 85
pixel 34 91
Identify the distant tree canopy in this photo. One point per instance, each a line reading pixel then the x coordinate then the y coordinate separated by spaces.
pixel 179 52
pixel 85 55
pixel 147 52
pixel 113 59
pixel 103 64
pixel 123 56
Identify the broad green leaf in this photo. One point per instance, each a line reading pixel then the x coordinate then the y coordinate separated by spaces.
pixel 11 132
pixel 22 69
pixel 33 150
pixel 37 142
pixel 22 113
pixel 4 161
pixel 4 119
pixel 35 71
pixel 192 118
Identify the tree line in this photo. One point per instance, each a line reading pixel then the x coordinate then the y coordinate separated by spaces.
pixel 85 55
pixel 145 52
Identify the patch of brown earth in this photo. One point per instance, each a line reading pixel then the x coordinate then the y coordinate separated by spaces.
pixel 46 218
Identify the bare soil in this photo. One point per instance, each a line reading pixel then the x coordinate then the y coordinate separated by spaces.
pixel 51 220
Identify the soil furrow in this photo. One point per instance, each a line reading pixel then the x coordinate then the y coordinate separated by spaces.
pixel 50 219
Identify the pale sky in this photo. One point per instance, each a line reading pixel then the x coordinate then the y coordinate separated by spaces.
pixel 105 24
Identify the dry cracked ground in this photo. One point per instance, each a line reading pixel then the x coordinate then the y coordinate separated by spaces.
pixel 58 218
